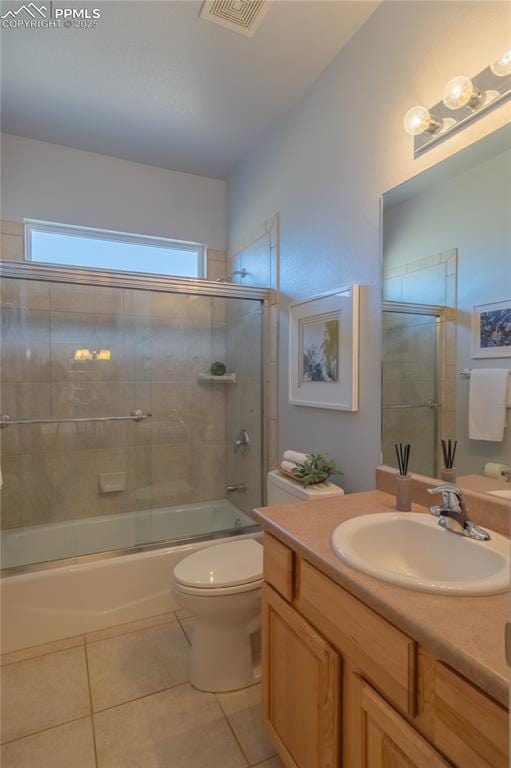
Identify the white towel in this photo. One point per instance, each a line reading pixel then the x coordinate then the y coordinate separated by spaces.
pixel 295 457
pixel 487 404
pixel 288 466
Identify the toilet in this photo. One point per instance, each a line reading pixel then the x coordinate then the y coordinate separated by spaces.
pixel 221 586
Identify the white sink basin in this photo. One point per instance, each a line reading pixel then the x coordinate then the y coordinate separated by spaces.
pixel 501 494
pixel 412 550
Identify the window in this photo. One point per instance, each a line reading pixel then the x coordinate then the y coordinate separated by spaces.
pixel 49 243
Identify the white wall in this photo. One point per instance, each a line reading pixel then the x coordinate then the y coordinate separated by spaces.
pixel 56 183
pixel 469 212
pixel 325 166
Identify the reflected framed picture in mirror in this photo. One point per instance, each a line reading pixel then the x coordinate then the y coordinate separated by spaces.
pixel 491 329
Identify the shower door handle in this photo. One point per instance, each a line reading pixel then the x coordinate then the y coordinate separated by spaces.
pixel 427 404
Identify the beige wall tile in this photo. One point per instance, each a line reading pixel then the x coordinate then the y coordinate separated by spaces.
pixel 92 299
pixel 61 747
pixel 8 227
pixel 11 248
pixel 24 294
pixel 27 491
pixel 25 345
pixel 136 302
pixel 44 692
pixel 216 255
pixel 216 269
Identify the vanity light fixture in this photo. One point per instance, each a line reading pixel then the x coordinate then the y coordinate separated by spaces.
pixel 419 120
pixel 461 92
pixel 464 99
pixel 502 67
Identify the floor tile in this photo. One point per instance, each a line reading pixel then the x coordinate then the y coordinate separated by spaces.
pixel 243 710
pixel 41 650
pixel 273 762
pixel 44 692
pixel 137 664
pixel 178 728
pixel 61 747
pixel 132 626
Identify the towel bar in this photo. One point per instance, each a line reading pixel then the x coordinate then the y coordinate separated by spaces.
pixel 135 415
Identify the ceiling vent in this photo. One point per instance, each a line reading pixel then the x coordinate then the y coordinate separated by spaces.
pixel 243 16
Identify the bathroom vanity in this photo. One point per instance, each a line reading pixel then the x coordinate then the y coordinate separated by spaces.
pixel 361 673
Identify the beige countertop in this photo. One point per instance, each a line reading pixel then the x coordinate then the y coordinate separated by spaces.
pixel 482 484
pixel 467 633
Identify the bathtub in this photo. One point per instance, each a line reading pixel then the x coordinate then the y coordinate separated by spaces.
pixel 63 599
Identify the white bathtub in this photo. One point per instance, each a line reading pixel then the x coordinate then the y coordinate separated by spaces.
pixel 66 600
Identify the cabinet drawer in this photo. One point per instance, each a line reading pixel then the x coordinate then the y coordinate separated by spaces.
pixel 469 728
pixel 389 741
pixel 278 566
pixel 386 656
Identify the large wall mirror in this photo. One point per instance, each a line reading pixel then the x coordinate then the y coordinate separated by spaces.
pixel 447 316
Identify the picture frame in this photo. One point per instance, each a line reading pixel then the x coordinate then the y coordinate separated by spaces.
pixel 491 329
pixel 324 350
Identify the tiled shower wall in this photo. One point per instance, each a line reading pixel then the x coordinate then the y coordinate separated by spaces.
pixel 259 255
pixel 52 473
pixel 159 342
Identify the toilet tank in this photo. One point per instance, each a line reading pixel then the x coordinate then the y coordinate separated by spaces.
pixel 285 490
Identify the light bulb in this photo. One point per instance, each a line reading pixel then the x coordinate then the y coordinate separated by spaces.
pixel 461 92
pixel 418 120
pixel 502 66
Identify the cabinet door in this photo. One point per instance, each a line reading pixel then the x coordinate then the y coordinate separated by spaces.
pixel 389 741
pixel 301 687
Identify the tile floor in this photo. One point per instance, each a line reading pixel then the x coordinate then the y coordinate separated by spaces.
pixel 120 698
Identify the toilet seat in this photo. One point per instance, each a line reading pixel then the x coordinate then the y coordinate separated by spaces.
pixel 228 568
pixel 201 592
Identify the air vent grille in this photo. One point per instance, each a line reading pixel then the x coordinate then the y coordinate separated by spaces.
pixel 243 16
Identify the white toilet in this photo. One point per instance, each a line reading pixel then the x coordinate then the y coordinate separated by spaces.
pixel 221 586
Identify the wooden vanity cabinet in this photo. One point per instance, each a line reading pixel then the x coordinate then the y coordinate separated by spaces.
pixel 388 740
pixel 344 688
pixel 301 687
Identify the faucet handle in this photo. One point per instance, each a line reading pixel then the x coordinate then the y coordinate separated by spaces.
pixel 446 488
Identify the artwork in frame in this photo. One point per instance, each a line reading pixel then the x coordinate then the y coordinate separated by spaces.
pixel 323 350
pixel 491 329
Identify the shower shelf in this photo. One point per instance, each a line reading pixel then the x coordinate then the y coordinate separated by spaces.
pixel 227 378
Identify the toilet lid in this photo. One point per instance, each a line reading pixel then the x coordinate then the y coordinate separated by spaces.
pixel 222 565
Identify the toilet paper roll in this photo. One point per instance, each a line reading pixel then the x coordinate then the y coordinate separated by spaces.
pixel 497 471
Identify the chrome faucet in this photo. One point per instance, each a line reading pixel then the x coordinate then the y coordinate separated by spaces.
pixel 453 513
pixel 242 441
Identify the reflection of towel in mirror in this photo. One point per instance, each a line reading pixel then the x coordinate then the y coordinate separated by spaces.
pixel 295 457
pixel 487 404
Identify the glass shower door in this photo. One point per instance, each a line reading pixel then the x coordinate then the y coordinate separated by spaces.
pixel 410 388
pixel 80 474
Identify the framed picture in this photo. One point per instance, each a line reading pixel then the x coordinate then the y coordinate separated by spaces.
pixel 323 350
pixel 491 329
